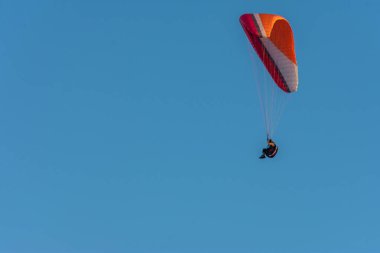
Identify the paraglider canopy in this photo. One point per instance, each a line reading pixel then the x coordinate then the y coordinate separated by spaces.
pixel 272 38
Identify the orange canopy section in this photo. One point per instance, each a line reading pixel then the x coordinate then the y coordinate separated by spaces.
pixel 280 33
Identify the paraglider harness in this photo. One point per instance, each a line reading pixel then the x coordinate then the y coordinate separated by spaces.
pixel 270 151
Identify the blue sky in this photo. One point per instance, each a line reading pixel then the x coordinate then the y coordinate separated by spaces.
pixel 134 126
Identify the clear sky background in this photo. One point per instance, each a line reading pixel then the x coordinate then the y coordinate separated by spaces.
pixel 134 126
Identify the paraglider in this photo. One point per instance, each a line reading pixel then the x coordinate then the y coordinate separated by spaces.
pixel 272 39
pixel 270 151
